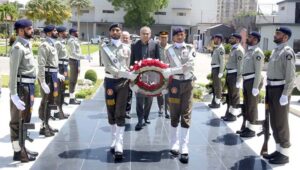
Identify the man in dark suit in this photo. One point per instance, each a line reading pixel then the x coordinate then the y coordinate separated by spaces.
pixel 142 49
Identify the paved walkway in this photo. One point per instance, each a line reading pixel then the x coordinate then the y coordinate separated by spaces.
pixel 83 140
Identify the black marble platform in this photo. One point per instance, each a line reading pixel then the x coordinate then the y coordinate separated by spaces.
pixel 83 143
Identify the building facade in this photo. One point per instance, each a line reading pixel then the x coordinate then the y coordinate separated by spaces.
pixel 288 15
pixel 185 13
pixel 228 9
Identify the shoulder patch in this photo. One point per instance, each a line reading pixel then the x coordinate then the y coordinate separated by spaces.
pixel 221 52
pixel 258 58
pixel 240 58
pixel 289 57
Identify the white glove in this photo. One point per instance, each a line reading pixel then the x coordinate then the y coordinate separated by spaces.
pixel 238 85
pixel 255 92
pixel 61 77
pixel 17 102
pixel 283 100
pixel 220 75
pixel 45 87
pixel 88 57
pixel 132 76
pixel 167 73
pixel 164 91
pixel 128 75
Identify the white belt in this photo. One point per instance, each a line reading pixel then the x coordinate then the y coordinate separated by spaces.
pixel 215 66
pixel 183 77
pixel 110 76
pixel 63 62
pixel 276 83
pixel 51 70
pixel 232 71
pixel 250 76
pixel 26 80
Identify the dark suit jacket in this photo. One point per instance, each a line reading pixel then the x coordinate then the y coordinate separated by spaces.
pixel 136 51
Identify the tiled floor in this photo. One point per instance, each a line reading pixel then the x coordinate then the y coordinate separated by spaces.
pixel 83 143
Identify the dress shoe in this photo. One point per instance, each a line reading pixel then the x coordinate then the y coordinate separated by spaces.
pixel 138 127
pixel 118 156
pixel 53 129
pixel 214 105
pixel 167 116
pixel 272 155
pixel 74 101
pixel 279 159
pixel 229 118
pixel 147 121
pixel 184 158
pixel 127 116
pixel 174 152
pixel 46 132
pixel 61 115
pixel 247 133
pixel 32 153
pixel 23 157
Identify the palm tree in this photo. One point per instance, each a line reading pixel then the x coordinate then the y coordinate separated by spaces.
pixel 35 10
pixel 79 4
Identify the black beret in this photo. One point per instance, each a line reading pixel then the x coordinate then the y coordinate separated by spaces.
pixel 72 30
pixel 22 23
pixel 177 30
pixel 285 30
pixel 114 25
pixel 163 33
pixel 236 35
pixel 61 29
pixel 219 36
pixel 255 34
pixel 49 28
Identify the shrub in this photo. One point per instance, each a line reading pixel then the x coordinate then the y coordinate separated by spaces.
pixel 91 75
pixel 227 48
pixel 267 54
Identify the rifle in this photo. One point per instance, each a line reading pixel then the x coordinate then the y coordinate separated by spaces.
pixel 23 127
pixel 266 128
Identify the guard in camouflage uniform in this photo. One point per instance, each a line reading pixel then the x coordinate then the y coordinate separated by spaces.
pixel 217 65
pixel 252 67
pixel 74 61
pixel 21 86
pixel 48 78
pixel 116 58
pixel 280 82
pixel 63 61
pixel 234 77
pixel 180 57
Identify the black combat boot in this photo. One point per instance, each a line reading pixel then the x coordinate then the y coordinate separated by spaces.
pixel 247 133
pixel 23 156
pixel 279 159
pixel 272 155
pixel 74 101
pixel 184 158
pixel 229 117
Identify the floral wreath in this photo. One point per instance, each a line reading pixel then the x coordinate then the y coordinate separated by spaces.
pixel 146 65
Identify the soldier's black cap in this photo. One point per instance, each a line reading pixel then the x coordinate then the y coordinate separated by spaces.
pixel 285 30
pixel 163 33
pixel 177 30
pixel 255 34
pixel 49 28
pixel 236 35
pixel 22 23
pixel 114 25
pixel 219 36
pixel 61 29
pixel 72 30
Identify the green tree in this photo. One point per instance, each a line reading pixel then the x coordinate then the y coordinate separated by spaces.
pixel 51 11
pixel 139 12
pixel 78 5
pixel 8 14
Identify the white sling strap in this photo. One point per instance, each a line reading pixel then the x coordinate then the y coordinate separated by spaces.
pixel 174 57
pixel 111 56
